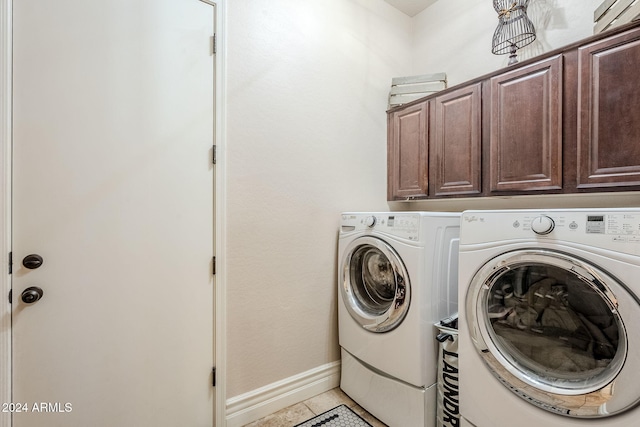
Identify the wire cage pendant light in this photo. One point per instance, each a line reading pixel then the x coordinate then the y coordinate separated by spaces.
pixel 514 31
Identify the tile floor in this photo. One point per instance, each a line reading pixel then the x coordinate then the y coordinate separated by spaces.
pixel 302 411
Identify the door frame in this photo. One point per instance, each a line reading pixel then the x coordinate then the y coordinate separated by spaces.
pixel 220 338
pixel 6 31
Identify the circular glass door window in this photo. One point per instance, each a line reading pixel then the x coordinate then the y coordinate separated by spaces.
pixel 555 326
pixel 552 328
pixel 375 286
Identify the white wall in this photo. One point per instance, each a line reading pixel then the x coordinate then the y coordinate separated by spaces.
pixel 307 86
pixel 454 36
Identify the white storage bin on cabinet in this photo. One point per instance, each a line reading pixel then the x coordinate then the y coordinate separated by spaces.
pixel 613 13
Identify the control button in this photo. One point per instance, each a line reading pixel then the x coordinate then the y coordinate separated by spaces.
pixel 542 225
pixel 573 225
pixel 370 221
pixel 516 224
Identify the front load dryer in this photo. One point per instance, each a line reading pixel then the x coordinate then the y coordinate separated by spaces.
pixel 549 325
pixel 397 277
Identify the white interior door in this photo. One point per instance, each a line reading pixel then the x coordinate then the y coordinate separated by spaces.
pixel 113 188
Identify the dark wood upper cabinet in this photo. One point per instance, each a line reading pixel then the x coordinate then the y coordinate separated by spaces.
pixel 455 148
pixel 407 154
pixel 567 121
pixel 608 153
pixel 525 145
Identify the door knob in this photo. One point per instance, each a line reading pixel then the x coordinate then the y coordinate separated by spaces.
pixel 32 294
pixel 32 261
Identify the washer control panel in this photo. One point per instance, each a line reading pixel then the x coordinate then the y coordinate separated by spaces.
pixel 403 225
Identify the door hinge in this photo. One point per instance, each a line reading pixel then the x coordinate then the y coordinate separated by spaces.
pixel 214 157
pixel 10 262
pixel 213 265
pixel 214 44
pixel 213 376
pixel 10 296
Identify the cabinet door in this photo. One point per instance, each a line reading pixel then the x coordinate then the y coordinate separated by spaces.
pixel 609 112
pixel 525 148
pixel 407 155
pixel 456 145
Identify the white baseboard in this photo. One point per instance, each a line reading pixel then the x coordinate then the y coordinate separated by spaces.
pixel 266 400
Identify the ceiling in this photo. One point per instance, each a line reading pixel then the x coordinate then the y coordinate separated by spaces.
pixel 411 7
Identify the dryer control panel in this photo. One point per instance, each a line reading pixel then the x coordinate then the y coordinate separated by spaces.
pixel 615 229
pixel 614 224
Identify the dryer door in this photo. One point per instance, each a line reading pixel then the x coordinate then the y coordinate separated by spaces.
pixel 555 331
pixel 375 284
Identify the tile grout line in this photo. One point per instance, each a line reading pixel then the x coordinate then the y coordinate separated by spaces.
pixel 310 410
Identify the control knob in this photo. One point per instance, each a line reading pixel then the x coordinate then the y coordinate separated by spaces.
pixel 542 225
pixel 370 221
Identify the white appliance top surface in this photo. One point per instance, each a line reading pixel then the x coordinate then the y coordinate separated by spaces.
pixel 609 229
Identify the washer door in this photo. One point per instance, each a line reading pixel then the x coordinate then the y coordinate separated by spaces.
pixel 375 284
pixel 552 329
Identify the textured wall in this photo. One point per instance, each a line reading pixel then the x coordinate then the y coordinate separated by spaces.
pixel 306 132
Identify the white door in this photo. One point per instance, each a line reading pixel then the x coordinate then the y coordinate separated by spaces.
pixel 113 188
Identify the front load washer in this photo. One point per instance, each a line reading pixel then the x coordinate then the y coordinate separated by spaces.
pixel 549 325
pixel 397 277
